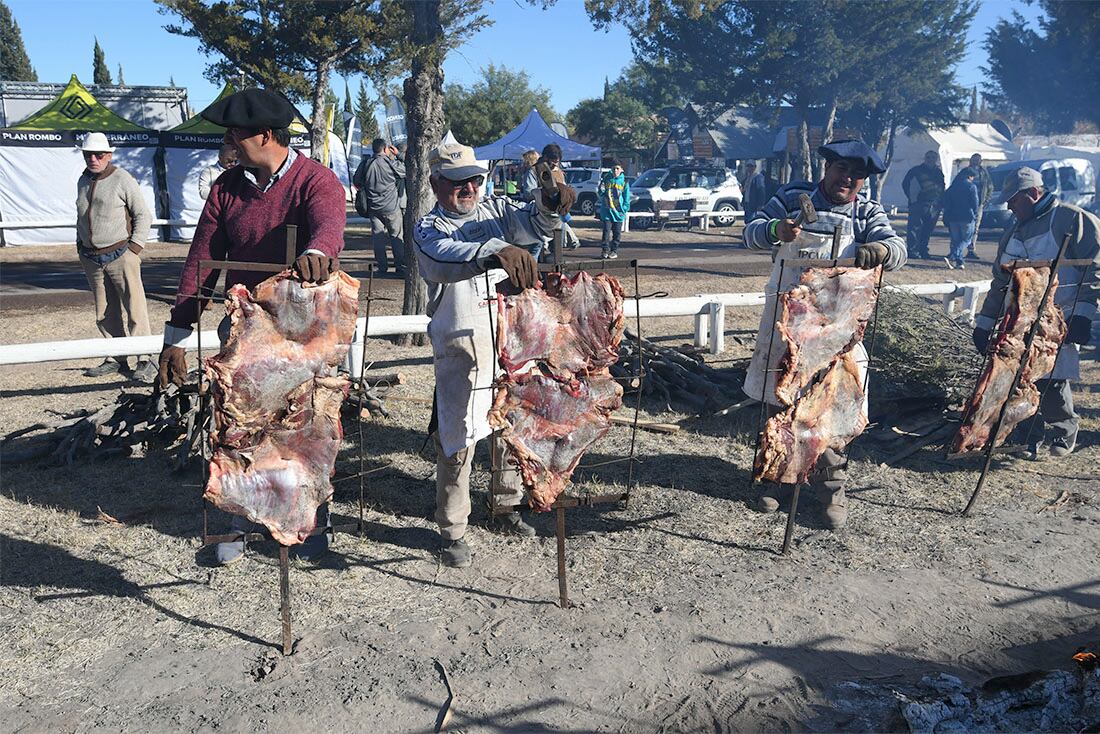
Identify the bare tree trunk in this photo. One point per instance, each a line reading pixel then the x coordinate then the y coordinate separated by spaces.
pixel 886 159
pixel 804 146
pixel 827 136
pixel 319 120
pixel 424 120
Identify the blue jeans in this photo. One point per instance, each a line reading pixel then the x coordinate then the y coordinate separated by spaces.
pixel 535 250
pixel 962 235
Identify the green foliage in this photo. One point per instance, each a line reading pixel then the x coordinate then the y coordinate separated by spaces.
pixel 100 73
pixel 15 65
pixel 364 110
pixel 484 111
pixel 1050 78
pixel 621 124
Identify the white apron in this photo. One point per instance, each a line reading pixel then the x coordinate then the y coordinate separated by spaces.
pixel 816 244
pixel 1045 247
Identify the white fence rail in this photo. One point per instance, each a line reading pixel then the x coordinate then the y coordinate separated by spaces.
pixel 708 310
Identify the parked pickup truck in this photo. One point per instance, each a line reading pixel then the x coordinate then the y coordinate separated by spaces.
pixel 681 188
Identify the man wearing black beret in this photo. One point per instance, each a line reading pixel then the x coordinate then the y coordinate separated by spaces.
pixel 865 234
pixel 244 219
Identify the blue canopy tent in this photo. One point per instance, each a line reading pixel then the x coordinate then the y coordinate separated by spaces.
pixel 532 134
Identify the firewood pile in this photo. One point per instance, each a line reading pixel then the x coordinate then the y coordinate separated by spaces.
pixel 921 352
pixel 124 428
pixel 677 377
pixel 167 420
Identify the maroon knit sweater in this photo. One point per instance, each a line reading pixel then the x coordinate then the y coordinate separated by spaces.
pixel 239 222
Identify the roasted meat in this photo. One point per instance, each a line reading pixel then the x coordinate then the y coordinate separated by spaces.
pixel 823 316
pixel 277 400
pixel 1007 350
pixel 830 414
pixel 556 394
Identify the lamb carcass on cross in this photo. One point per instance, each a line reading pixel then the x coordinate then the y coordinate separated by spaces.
pixel 1006 352
pixel 556 395
pixel 277 397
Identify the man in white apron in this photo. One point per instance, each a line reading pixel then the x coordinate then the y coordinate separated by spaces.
pixel 1042 222
pixel 457 243
pixel 865 234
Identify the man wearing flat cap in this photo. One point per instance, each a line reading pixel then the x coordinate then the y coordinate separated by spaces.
pixel 457 243
pixel 244 219
pixel 865 234
pixel 1042 223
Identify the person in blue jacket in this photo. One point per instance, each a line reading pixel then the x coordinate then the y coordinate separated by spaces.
pixel 960 215
pixel 614 196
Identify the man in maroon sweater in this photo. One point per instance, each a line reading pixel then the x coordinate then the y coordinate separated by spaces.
pixel 244 219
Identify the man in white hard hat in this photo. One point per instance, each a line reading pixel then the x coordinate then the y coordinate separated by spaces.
pixel 457 243
pixel 1042 222
pixel 112 225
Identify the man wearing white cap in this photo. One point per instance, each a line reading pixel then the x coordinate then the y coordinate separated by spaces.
pixel 1042 222
pixel 457 243
pixel 112 225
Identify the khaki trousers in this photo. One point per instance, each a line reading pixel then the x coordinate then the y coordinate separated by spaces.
pixel 119 294
pixel 452 486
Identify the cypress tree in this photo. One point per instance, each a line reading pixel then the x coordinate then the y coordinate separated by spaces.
pixel 100 73
pixel 15 65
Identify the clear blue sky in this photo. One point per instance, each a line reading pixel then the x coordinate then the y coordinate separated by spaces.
pixel 557 47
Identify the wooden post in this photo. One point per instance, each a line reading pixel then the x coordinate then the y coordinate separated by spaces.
pixel 284 598
pixel 790 520
pixel 563 591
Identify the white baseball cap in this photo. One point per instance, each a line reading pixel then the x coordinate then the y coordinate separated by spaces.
pixel 96 143
pixel 455 162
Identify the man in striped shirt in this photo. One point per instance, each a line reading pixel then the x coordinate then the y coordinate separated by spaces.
pixel 865 234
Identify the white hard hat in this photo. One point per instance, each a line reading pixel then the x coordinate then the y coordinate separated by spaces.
pixel 96 143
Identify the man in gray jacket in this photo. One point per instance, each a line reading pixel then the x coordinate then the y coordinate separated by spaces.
pixel 383 183
pixel 112 225
pixel 465 246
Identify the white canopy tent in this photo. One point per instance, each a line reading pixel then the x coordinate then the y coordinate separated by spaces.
pixel 954 146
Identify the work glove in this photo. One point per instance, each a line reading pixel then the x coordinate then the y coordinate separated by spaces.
pixel 315 268
pixel 1080 330
pixel 173 366
pixel 871 255
pixel 981 340
pixel 518 263
pixel 556 194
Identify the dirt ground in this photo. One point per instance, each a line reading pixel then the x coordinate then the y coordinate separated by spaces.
pixel 685 618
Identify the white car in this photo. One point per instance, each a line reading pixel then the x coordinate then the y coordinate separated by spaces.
pixel 585 181
pixel 679 188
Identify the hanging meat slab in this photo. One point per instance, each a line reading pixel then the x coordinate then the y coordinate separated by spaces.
pixel 830 414
pixel 277 398
pixel 556 395
pixel 1024 294
pixel 823 316
pixel 574 325
pixel 549 424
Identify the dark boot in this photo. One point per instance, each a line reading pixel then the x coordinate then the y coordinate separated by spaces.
pixel 828 480
pixel 513 524
pixel 456 554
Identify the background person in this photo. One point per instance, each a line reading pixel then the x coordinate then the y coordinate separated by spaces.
pixel 923 186
pixel 960 216
pixel 227 158
pixel 1041 224
pixel 984 182
pixel 112 226
pixel 384 187
pixel 614 198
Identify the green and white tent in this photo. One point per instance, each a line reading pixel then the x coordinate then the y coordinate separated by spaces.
pixel 40 162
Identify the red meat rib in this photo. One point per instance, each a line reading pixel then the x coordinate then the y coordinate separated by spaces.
pixel 556 395
pixel 1025 292
pixel 825 315
pixel 829 415
pixel 277 401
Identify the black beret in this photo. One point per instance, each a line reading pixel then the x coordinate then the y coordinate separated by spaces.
pixel 855 150
pixel 253 108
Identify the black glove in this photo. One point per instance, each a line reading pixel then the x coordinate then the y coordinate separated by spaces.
pixel 871 255
pixel 518 263
pixel 173 366
pixel 1080 330
pixel 981 340
pixel 315 268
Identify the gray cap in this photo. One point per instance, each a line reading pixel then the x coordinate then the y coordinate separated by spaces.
pixel 1018 180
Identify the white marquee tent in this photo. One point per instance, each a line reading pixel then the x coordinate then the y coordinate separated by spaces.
pixel 954 146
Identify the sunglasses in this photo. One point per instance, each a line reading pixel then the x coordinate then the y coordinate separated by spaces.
pixel 475 180
pixel 96 154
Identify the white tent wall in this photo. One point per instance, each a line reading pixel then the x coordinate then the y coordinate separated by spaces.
pixel 953 145
pixel 39 183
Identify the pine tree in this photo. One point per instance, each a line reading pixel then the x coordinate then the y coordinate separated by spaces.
pixel 100 73
pixel 171 81
pixel 364 110
pixel 15 65
pixel 121 81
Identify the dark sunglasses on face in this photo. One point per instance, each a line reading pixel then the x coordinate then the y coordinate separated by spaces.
pixel 475 180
